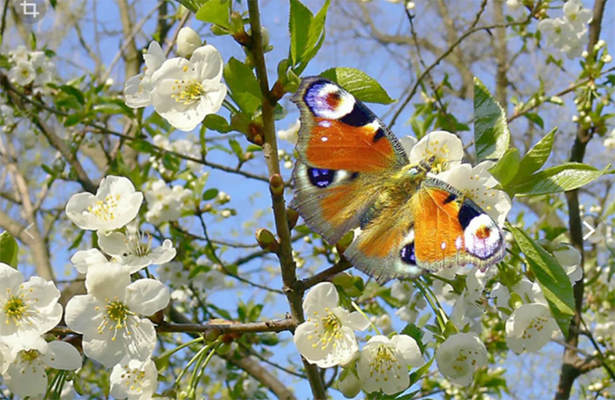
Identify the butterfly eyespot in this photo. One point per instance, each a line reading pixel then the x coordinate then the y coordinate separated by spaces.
pixel 321 177
pixel 482 237
pixel 407 254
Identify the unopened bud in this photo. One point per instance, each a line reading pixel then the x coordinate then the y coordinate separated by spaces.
pixel 606 58
pixel 255 134
pixel 211 334
pixel 187 42
pixel 600 44
pixel 276 185
pixel 292 217
pixel 349 384
pixel 224 348
pixel 266 240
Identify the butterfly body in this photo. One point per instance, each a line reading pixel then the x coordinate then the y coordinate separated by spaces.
pixel 353 174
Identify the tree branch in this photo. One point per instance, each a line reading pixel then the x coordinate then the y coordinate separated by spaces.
pixel 571 365
pixel 270 151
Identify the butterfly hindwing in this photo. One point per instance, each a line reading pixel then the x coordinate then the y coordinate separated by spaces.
pixel 437 228
pixel 330 201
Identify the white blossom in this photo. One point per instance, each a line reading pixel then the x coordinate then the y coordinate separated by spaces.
pixel 27 308
pixel 290 134
pixel 383 363
pixel 327 337
pixel 83 260
pixel 570 259
pixel 477 183
pixel 30 355
pixel 529 328
pixel 116 204
pixel 446 147
pixel 185 92
pixel 134 379
pixel 19 54
pixel 164 203
pixel 134 249
pixel 109 316
pixel 513 5
pixel 460 356
pixel 577 15
pixel 137 91
pixel 173 273
pixel 22 73
pixel 43 68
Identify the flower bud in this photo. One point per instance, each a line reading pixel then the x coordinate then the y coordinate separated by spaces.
pixel 266 240
pixel 600 44
pixel 349 384
pixel 187 42
pixel 292 216
pixel 276 185
pixel 607 58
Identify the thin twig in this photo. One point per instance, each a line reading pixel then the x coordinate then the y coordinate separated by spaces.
pixel 448 51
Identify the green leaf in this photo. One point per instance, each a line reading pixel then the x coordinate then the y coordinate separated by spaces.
pixel 491 134
pixel 217 123
pixel 536 157
pixel 316 37
pixel 535 118
pixel 210 194
pixel 568 176
pixel 243 85
pixel 73 91
pixel 550 276
pixel 216 12
pixel 300 21
pixel 8 249
pixel 359 84
pixel 506 169
pixel 236 148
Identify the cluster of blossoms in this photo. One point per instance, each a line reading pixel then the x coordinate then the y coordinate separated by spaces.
pixel 185 147
pixel 165 203
pixel 183 90
pixel 28 310
pixel 30 67
pixel 112 315
pixel 327 337
pixel 568 33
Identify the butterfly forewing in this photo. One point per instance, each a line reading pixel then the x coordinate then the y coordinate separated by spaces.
pixel 344 151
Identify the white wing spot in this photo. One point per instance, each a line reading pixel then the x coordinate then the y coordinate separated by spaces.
pixel 325 124
pixel 443 245
pixel 459 243
pixel 324 138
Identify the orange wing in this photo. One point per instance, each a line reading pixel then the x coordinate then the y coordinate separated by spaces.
pixel 339 132
pixel 438 227
pixel 344 151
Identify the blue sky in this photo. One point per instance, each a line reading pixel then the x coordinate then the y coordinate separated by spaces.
pixel 249 197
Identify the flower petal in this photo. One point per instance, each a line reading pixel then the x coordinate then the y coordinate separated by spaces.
pixel 323 295
pixel 108 283
pixel 147 296
pixel 84 314
pixel 62 355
